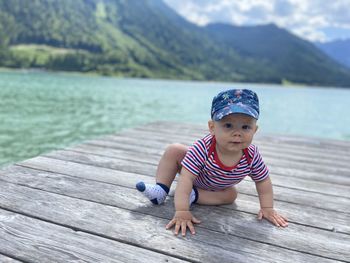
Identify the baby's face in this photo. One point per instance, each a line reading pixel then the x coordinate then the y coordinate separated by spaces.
pixel 234 132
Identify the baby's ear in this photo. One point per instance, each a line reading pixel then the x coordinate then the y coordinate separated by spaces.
pixel 211 126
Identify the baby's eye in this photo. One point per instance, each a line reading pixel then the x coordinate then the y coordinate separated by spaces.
pixel 246 127
pixel 228 125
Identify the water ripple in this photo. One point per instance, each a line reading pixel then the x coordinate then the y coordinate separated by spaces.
pixel 42 111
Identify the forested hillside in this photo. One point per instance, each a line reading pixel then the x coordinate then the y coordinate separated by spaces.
pixel 291 57
pixel 145 38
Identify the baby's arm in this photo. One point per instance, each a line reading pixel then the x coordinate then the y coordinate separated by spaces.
pixel 265 193
pixel 183 218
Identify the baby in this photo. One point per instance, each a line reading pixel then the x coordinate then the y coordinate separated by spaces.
pixel 213 165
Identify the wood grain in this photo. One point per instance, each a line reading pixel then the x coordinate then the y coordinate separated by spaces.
pixel 80 204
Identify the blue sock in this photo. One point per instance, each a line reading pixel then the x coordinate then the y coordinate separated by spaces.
pixel 165 188
pixel 155 193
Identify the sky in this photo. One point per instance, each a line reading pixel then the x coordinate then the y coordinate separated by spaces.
pixel 314 20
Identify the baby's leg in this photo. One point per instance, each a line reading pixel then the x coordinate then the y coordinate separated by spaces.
pixel 169 165
pixel 222 197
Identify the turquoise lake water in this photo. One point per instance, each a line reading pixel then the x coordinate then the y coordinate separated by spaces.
pixel 43 111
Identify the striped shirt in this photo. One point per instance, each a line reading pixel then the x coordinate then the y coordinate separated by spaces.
pixel 203 162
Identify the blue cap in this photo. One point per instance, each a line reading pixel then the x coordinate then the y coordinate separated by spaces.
pixel 235 101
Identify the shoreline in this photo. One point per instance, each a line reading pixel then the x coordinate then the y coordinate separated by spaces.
pixel 285 83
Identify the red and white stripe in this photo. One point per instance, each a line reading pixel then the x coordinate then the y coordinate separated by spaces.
pixel 201 160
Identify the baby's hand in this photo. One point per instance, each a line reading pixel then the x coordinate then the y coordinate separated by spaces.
pixel 183 219
pixel 271 215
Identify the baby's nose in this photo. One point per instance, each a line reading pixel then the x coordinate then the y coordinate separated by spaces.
pixel 236 132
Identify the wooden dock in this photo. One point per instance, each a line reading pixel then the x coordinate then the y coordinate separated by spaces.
pixel 80 204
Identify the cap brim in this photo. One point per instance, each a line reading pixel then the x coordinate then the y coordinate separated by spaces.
pixel 235 109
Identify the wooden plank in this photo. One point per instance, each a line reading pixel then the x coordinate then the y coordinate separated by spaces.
pixel 322 185
pixel 311 163
pixel 125 146
pixel 304 156
pixel 307 142
pixel 304 215
pixel 143 154
pixel 295 196
pixel 5 259
pixel 123 196
pixel 150 169
pixel 308 167
pixel 33 240
pixel 312 176
pixel 319 158
pixel 205 246
pixel 304 198
pixel 83 171
pixel 318 163
pixel 116 153
pixel 106 162
pixel 337 154
pixel 93 192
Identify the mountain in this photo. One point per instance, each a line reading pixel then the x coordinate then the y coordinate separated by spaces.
pixel 146 38
pixel 291 57
pixel 339 50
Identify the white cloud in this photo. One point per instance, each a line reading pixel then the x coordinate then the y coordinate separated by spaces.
pixel 310 19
